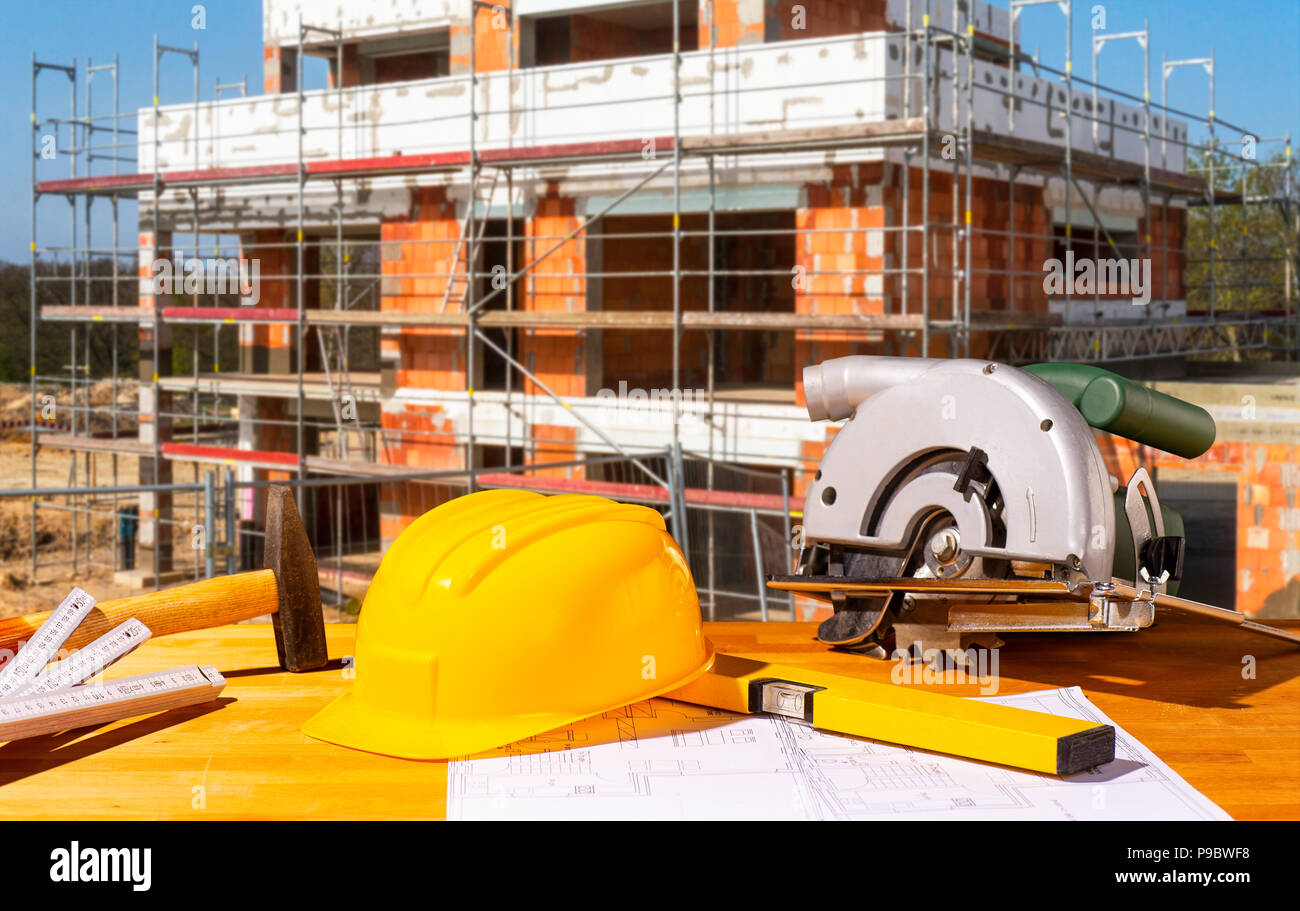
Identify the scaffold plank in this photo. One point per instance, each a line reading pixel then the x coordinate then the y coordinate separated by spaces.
pixel 64 314
pixel 878 132
pixel 625 319
pixel 75 443
pixel 990 146
pixel 229 455
pixel 649 493
pixel 230 314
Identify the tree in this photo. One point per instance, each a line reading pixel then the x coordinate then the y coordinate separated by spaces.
pixel 1254 237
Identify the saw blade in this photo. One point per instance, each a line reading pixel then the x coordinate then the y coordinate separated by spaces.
pixel 824 585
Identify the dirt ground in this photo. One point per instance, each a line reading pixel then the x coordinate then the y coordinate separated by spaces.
pixel 91 566
pixel 56 572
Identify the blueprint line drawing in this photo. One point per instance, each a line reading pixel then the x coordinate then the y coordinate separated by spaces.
pixel 662 759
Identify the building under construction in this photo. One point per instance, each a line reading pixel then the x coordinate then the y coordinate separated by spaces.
pixel 588 245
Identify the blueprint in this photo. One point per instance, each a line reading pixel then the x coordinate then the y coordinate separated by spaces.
pixel 662 759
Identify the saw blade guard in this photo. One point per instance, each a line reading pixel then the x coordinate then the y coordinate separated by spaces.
pixel 933 448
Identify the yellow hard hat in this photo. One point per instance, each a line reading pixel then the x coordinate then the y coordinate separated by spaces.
pixel 505 613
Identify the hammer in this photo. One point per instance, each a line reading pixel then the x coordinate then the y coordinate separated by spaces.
pixel 288 589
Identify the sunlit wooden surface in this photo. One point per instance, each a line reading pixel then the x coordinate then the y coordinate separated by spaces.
pixel 1178 687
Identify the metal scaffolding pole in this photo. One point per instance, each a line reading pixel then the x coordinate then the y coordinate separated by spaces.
pixel 471 250
pixel 926 128
pixel 298 250
pixel 679 511
pixel 33 311
pixel 1067 167
pixel 1166 68
pixel 159 50
pixel 299 246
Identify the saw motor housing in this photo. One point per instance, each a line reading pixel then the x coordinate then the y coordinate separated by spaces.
pixel 968 473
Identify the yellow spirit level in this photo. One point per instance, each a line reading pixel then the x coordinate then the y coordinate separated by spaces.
pixel 904 715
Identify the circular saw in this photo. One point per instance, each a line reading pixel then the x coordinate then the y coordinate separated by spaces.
pixel 962 499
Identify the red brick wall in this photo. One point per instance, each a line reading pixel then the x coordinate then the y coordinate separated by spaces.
pixel 1268 517
pixel 851 201
pixel 1267 477
pixel 556 285
pixel 278 261
pixel 277 70
pixel 640 357
pixel 595 39
pixel 493 36
pixel 731 30
pixel 351 67
pixel 552 443
pixel 558 357
pixel 736 24
pixel 405 68
pixel 822 18
pixel 1166 267
pixel 418 261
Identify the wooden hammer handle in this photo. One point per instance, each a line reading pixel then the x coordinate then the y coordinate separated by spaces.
pixel 199 605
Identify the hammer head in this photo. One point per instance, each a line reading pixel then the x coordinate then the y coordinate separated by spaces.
pixel 299 621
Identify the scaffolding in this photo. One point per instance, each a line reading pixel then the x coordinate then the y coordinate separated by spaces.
pixel 933 133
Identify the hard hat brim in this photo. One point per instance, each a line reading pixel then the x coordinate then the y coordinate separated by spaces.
pixel 349 722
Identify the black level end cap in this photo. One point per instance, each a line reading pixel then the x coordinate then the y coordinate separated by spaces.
pixel 1085 750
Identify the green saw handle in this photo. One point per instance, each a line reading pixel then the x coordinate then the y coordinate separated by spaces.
pixel 1120 406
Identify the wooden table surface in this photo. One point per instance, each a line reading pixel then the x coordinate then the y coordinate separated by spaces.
pixel 1178 687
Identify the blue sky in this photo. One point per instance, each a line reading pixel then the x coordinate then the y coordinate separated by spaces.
pixel 1256 42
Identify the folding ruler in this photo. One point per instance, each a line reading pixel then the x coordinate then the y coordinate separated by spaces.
pixel 85 663
pixel 37 697
pixel 19 670
pixel 79 706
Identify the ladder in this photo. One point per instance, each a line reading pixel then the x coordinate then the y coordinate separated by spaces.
pixel 334 358
pixel 456 277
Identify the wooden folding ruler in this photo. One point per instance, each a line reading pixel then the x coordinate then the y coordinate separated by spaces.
pixel 31 659
pixel 97 703
pixel 37 697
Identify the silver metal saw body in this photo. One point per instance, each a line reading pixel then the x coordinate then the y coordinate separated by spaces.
pixel 1036 488
pixel 951 473
pixel 963 499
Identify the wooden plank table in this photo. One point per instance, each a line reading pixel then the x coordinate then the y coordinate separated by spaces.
pixel 1178 687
